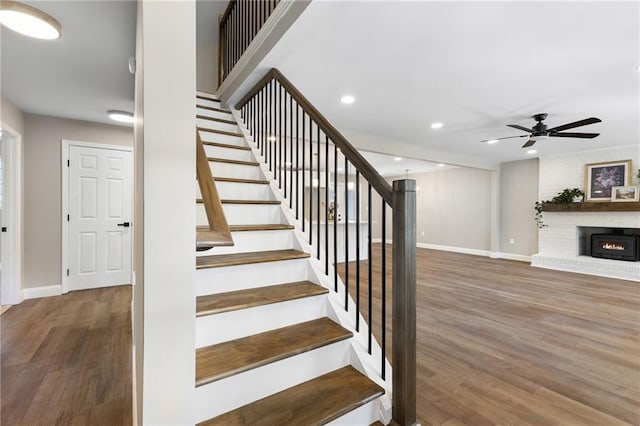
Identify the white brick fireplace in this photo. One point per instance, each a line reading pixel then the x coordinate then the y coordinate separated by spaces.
pixel 558 243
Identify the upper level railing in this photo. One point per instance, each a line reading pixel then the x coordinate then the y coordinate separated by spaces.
pixel 341 203
pixel 238 26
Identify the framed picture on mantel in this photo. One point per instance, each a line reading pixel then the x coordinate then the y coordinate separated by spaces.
pixel 600 178
pixel 624 194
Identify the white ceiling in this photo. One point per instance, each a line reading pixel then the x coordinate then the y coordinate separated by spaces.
pixel 391 166
pixel 475 66
pixel 82 75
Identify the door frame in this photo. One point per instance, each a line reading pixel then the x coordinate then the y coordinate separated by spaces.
pixel 65 145
pixel 12 249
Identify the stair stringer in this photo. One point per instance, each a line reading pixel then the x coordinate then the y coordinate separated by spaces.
pixel 367 364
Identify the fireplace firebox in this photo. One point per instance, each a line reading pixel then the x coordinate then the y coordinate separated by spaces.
pixel 616 246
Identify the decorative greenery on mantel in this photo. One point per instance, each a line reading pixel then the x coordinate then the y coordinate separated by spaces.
pixel 565 198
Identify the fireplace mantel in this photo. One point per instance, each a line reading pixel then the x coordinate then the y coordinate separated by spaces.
pixel 592 207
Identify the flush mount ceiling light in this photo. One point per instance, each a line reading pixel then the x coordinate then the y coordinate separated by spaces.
pixel 29 21
pixel 531 151
pixel 347 99
pixel 492 141
pixel 436 125
pixel 397 159
pixel 121 116
pixel 441 164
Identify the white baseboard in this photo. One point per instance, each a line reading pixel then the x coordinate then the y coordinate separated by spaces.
pixel 379 240
pixel 511 256
pixel 44 291
pixel 475 252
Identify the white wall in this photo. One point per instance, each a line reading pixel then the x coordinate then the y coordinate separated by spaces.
pixel 558 172
pixel 518 195
pixel 42 191
pixel 11 115
pixel 165 160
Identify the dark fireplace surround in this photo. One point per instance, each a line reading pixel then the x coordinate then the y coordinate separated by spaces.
pixel 610 243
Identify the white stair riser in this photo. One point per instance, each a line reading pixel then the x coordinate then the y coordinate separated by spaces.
pixel 235 170
pixel 242 191
pixel 364 415
pixel 221 138
pixel 230 278
pixel 214 114
pixel 232 392
pixel 243 214
pixel 246 241
pixel 218 328
pixel 218 125
pixel 208 103
pixel 228 153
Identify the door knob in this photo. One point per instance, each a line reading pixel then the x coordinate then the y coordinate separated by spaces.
pixel 124 224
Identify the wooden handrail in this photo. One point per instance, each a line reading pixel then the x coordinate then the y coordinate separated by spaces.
pixel 218 233
pixel 366 170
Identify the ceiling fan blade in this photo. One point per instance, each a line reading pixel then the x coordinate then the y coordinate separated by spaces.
pixel 590 120
pixel 507 137
pixel 529 143
pixel 516 126
pixel 574 135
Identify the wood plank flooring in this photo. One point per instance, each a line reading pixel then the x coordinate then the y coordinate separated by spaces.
pixel 500 342
pixel 66 360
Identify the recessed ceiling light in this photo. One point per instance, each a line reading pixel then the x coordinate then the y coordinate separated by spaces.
pixel 441 164
pixel 315 182
pixel 347 99
pixel 397 158
pixel 271 138
pixel 492 141
pixel 121 116
pixel 29 21
pixel 351 185
pixel 436 125
pixel 532 151
pixel 340 169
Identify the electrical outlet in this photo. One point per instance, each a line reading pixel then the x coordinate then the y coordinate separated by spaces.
pixel 512 241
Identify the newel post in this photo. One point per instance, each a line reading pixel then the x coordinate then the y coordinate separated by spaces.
pixel 404 302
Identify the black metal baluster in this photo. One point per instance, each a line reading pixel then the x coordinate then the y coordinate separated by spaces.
pixel 297 161
pixel 346 234
pixel 290 152
pixel 319 186
pixel 384 286
pixel 311 182
pixel 263 118
pixel 304 207
pixel 326 205
pixel 284 131
pixel 270 105
pixel 272 145
pixel 335 217
pixel 369 276
pixel 357 209
pixel 280 164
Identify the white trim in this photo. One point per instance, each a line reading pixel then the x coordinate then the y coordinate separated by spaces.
pixel 475 252
pixel 512 256
pixel 44 291
pixel 64 157
pixel 12 240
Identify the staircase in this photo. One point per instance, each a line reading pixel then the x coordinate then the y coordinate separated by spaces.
pixel 269 349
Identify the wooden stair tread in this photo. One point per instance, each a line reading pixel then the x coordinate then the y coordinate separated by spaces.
pixel 227 145
pixel 230 161
pixel 207 97
pixel 317 401
pixel 220 260
pixel 228 358
pixel 226 111
pixel 241 180
pixel 269 202
pixel 220 132
pixel 253 227
pixel 242 299
pixel 218 120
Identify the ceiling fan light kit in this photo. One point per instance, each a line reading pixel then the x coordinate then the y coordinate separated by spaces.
pixel 541 132
pixel 29 21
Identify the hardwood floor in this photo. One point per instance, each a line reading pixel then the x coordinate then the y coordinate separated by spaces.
pixel 500 342
pixel 66 360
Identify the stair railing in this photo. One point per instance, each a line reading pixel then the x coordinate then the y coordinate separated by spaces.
pixel 217 233
pixel 239 24
pixel 317 170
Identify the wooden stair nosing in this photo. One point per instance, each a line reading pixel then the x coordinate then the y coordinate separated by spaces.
pixel 233 259
pixel 257 202
pixel 241 180
pixel 314 402
pixel 224 111
pixel 230 161
pixel 218 120
pixel 207 97
pixel 220 132
pixel 227 145
pixel 243 299
pixel 254 227
pixel 226 359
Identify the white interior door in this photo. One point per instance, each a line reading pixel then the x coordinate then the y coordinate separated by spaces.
pixel 99 218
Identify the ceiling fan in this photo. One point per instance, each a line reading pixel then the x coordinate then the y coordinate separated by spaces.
pixel 540 131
